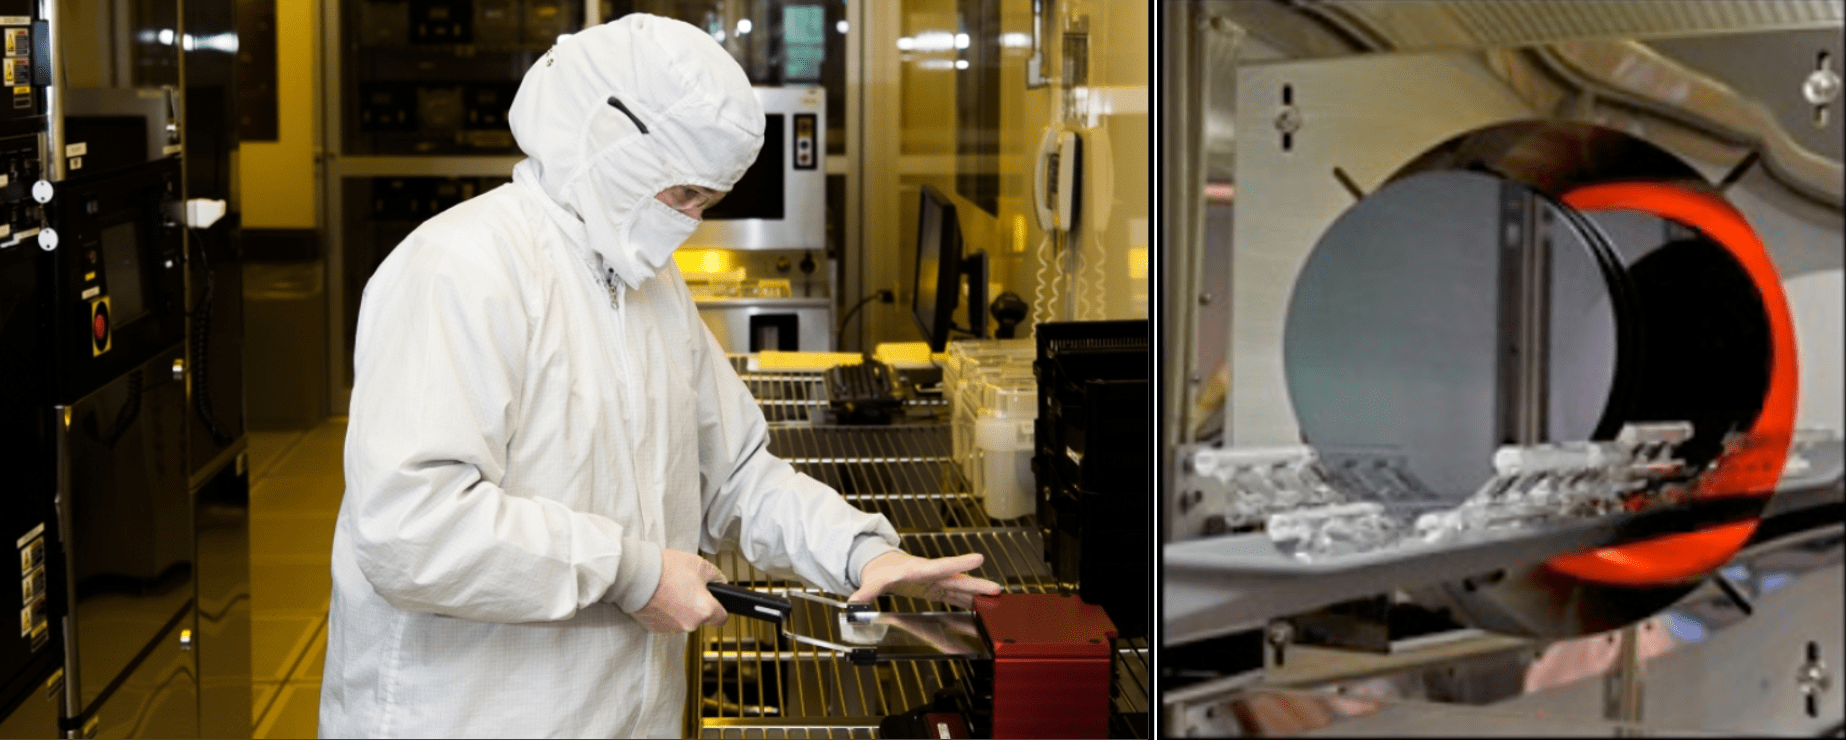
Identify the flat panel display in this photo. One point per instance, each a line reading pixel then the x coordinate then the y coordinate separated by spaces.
pixel 122 272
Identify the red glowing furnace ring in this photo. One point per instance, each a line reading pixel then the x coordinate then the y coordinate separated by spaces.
pixel 1752 471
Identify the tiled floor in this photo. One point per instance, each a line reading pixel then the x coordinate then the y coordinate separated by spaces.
pixel 295 490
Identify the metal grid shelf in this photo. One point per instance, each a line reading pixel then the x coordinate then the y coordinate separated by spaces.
pixel 777 730
pixel 753 683
pixel 902 472
pixel 861 444
pixel 800 396
pixel 787 396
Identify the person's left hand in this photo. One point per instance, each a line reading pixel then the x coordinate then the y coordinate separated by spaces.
pixel 939 579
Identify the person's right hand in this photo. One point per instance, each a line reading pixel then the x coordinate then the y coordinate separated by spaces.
pixel 680 602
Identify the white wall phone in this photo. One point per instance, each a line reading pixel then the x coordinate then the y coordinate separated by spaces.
pixel 1056 200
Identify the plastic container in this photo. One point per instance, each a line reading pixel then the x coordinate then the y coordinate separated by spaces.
pixel 970 402
pixel 971 364
pixel 1002 463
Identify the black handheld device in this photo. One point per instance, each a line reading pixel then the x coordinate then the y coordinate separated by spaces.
pixel 745 602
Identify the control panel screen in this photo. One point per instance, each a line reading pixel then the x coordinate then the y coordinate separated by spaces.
pixel 122 272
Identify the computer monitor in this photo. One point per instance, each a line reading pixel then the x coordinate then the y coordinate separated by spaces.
pixel 940 267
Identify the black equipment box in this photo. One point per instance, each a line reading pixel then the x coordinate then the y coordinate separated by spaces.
pixel 1092 462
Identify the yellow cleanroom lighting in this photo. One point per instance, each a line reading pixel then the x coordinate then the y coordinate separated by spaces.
pixel 1137 263
pixel 713 261
pixel 705 261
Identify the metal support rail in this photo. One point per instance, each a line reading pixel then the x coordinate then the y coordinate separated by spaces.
pixel 749 682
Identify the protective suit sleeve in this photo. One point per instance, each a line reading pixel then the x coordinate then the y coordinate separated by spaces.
pixel 439 359
pixel 782 520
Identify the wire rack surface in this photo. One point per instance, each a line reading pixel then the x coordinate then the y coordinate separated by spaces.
pixel 787 396
pixel 777 730
pixel 792 396
pixel 904 473
pixel 899 471
pixel 751 682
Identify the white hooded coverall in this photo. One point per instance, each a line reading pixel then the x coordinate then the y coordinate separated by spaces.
pixel 537 411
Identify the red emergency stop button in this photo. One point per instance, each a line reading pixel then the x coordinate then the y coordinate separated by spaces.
pixel 99 326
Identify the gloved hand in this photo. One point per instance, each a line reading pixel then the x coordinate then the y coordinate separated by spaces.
pixel 939 579
pixel 681 603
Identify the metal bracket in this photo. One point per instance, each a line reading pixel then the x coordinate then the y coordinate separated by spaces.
pixel 1074 66
pixel 1622 684
pixel 1524 313
pixel 1035 64
pixel 1814 679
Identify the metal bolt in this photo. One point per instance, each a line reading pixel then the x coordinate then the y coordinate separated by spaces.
pixel 1814 678
pixel 1280 633
pixel 1204 299
pixel 1822 87
pixel 1288 120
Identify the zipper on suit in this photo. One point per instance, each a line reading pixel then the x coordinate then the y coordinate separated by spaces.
pixel 618 300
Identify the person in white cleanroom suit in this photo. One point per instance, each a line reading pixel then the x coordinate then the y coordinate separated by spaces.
pixel 543 434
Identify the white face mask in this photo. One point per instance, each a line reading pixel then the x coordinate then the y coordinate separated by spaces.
pixel 657 231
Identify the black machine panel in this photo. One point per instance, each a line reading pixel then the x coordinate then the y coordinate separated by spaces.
pixel 25 68
pixel 27 516
pixel 116 277
pixel 1092 466
pixel 22 217
pixel 127 518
